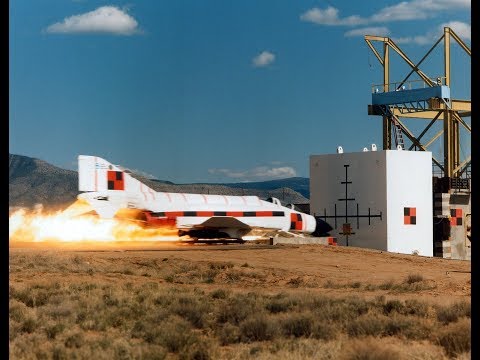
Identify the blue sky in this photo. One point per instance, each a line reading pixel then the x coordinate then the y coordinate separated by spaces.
pixel 212 91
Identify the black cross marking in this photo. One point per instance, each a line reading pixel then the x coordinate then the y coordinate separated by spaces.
pixel 346 215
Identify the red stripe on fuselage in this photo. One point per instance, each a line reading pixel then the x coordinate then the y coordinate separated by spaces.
pixel 263 213
pixel 174 214
pixel 205 213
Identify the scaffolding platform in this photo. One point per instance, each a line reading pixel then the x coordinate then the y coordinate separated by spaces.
pixel 411 96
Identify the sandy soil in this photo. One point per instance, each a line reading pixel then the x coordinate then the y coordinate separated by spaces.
pixel 306 264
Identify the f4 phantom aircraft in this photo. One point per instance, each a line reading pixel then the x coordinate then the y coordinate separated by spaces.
pixel 111 190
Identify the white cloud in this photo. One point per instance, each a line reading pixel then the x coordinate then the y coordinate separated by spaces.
pixel 265 58
pixel 463 30
pixel 379 31
pixel 418 9
pixel 259 173
pixel 405 10
pixel 105 19
pixel 329 16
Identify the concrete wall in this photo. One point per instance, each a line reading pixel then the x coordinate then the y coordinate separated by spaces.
pixel 409 185
pixel 379 183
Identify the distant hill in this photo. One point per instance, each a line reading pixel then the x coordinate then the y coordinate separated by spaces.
pixel 33 181
pixel 298 184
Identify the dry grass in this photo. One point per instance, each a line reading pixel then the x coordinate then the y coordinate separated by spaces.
pixel 106 309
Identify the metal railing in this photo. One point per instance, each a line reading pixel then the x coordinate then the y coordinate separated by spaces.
pixel 407 85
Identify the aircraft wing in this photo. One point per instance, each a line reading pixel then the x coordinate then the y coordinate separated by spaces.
pixel 220 222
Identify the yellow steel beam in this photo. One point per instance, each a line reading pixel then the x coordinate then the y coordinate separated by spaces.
pixel 426 129
pixel 461 121
pixel 455 145
pixel 423 114
pixel 418 64
pixel 461 105
pixel 386 67
pixel 376 38
pixel 417 142
pixel 410 135
pixel 463 108
pixel 387 125
pixel 435 137
pixel 414 140
pixel 451 116
pixel 446 54
pixel 463 166
pixel 464 163
pixel 416 115
pixel 374 51
pixel 409 62
pixel 461 43
pixel 447 143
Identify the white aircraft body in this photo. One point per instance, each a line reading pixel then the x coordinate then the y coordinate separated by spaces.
pixel 110 190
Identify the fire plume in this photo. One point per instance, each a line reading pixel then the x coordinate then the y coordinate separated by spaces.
pixel 76 225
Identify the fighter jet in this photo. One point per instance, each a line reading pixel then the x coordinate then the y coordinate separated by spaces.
pixel 112 192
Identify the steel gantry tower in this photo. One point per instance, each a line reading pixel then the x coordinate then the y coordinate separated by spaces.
pixel 427 98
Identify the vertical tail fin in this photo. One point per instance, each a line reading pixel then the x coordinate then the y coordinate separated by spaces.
pixel 97 174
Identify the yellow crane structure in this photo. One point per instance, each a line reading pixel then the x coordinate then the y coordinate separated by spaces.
pixel 429 101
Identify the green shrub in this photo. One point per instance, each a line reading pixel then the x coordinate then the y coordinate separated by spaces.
pixel 393 305
pixel 415 307
pixel 398 325
pixel 122 350
pixel 53 330
pixel 228 334
pixel 456 337
pixel 17 312
pixel 257 328
pixel 278 305
pixel 324 331
pixel 220 265
pixel 153 352
pixel 237 309
pixel 232 275
pixel 191 309
pixel 33 297
pixel 59 352
pixel 414 278
pixel 29 325
pixel 367 325
pixel 342 310
pixel 75 340
pixel 200 350
pixel 387 285
pixel 210 275
pixel 175 334
pixel 219 294
pixel 451 313
pixel 298 325
pixel 110 300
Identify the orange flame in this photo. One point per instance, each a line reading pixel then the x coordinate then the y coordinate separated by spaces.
pixel 74 226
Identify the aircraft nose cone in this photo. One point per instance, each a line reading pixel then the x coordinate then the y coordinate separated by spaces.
pixel 322 228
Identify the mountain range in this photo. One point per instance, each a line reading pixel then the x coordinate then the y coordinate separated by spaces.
pixel 33 181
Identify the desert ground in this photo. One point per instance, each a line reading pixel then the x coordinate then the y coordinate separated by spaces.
pixel 235 302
